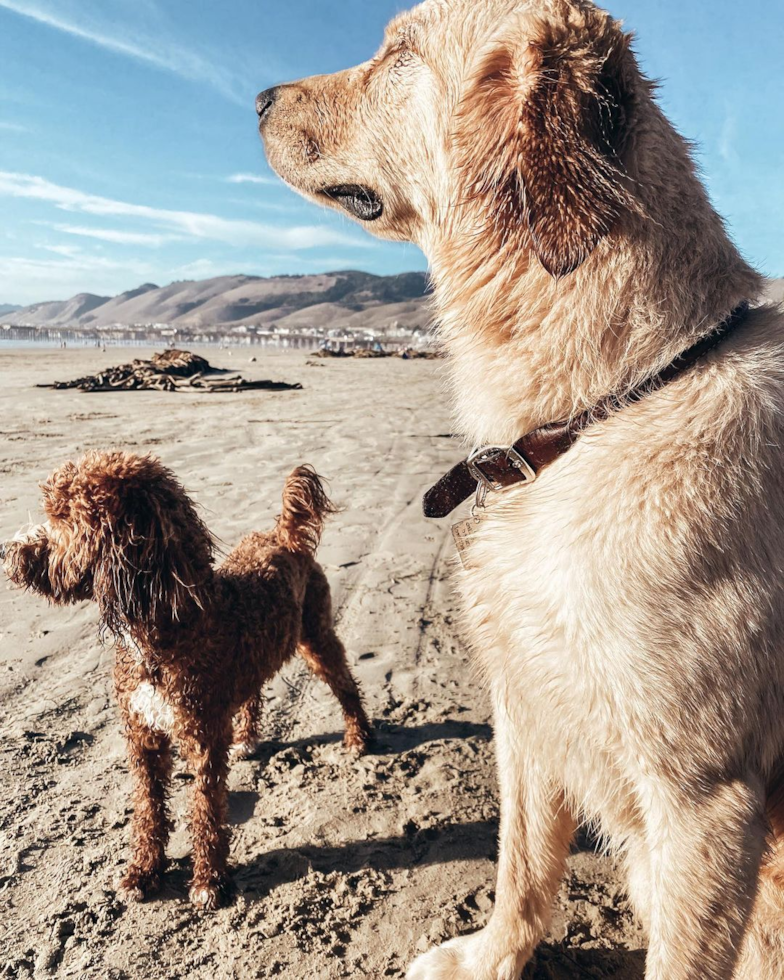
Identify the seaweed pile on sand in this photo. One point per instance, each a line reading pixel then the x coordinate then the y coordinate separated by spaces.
pixel 171 370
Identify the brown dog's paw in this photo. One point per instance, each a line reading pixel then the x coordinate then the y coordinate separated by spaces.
pixel 138 884
pixel 210 895
pixel 356 741
pixel 243 750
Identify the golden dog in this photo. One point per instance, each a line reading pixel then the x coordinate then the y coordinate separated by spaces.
pixel 627 607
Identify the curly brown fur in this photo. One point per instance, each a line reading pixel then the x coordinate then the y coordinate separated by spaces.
pixel 195 643
pixel 305 505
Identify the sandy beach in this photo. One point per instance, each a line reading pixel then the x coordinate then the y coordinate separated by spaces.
pixel 343 868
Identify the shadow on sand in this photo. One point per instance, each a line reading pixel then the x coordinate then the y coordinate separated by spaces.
pixel 388 739
pixel 259 878
pixel 555 961
pixel 433 845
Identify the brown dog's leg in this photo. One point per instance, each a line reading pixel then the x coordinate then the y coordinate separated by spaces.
pixel 246 729
pixel 208 761
pixel 150 757
pixel 323 652
pixel 535 835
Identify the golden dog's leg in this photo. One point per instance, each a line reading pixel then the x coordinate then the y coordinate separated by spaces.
pixel 637 870
pixel 705 857
pixel 150 758
pixel 763 950
pixel 536 832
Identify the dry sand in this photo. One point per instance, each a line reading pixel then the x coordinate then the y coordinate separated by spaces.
pixel 343 868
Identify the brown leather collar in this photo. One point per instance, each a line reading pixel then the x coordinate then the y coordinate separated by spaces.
pixel 499 467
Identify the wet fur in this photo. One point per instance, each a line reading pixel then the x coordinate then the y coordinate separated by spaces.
pixel 195 643
pixel 627 609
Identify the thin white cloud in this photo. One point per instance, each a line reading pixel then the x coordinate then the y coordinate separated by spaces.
pixel 125 37
pixel 204 269
pixel 27 280
pixel 265 205
pixel 69 251
pixel 250 179
pixel 192 224
pixel 119 237
pixel 12 127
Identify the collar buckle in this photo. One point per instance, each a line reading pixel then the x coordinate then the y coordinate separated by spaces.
pixel 497 468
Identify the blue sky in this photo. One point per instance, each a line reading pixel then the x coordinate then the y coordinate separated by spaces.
pixel 129 150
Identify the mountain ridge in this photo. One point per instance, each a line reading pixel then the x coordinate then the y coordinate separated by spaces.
pixel 336 298
pixel 342 299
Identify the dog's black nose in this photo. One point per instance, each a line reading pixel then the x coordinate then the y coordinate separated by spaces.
pixel 265 101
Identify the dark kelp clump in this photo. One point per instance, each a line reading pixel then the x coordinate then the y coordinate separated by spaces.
pixel 171 370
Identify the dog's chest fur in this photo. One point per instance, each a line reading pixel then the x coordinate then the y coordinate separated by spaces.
pixel 147 702
pixel 605 598
pixel 149 705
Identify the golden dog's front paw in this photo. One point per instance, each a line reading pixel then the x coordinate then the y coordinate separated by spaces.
pixel 467 958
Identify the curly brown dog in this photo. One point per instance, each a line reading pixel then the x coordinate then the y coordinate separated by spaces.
pixel 195 643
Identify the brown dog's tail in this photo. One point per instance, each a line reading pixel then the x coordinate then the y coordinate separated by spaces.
pixel 305 508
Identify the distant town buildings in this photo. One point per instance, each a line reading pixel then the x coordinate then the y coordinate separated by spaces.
pixel 391 337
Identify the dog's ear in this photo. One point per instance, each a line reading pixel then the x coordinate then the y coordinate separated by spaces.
pixel 26 562
pixel 543 127
pixel 153 553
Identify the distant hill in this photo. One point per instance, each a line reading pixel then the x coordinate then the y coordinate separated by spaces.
pixel 65 312
pixel 346 299
pixel 332 299
pixel 8 308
